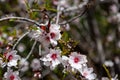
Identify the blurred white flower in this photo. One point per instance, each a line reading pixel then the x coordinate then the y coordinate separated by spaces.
pixel 21 47
pixel 63 3
pixel 109 63
pixel 114 8
pixel 23 65
pixel 76 60
pixel 88 73
pixel 36 34
pixel 10 75
pixel 52 59
pixel 35 65
pixel 65 61
pixel 2 0
pixel 106 78
pixel 118 44
pixel 117 60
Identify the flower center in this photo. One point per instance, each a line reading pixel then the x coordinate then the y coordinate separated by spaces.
pixel 43 27
pixel 36 64
pixel 85 74
pixel 10 57
pixel 52 35
pixel 54 56
pixel 5 54
pixel 76 59
pixel 12 77
pixel 47 38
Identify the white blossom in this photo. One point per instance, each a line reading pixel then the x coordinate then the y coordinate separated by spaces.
pixel 88 73
pixel 76 60
pixel 12 58
pixel 52 59
pixel 109 63
pixel 47 37
pixel 54 34
pixel 10 75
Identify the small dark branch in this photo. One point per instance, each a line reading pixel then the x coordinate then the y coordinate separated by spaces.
pixel 21 18
pixel 42 11
pixel 74 18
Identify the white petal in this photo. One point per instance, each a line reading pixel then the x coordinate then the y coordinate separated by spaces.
pixel 12 63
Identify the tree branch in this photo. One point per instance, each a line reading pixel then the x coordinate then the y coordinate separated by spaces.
pixel 21 18
pixel 74 18
pixel 20 40
pixel 31 50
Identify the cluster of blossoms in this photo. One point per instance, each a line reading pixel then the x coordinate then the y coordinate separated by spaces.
pixel 75 62
pixel 51 54
pixel 53 57
pixel 48 37
pixel 10 59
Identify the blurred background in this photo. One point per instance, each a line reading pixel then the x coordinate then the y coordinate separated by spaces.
pixel 97 31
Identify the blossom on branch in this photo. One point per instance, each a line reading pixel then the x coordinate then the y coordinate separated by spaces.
pixel 76 60
pixel 88 73
pixel 12 58
pixel 46 35
pixel 10 75
pixel 52 59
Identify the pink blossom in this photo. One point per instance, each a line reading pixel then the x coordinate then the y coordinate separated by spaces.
pixel 53 58
pixel 12 58
pixel 47 37
pixel 76 60
pixel 87 73
pixel 10 75
pixel 54 33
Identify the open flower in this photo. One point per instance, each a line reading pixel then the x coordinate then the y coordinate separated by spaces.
pixel 52 59
pixel 12 58
pixel 10 75
pixel 88 73
pixel 54 34
pixel 76 60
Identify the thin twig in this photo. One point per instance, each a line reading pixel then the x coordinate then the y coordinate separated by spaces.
pixel 74 18
pixel 80 6
pixel 20 40
pixel 58 14
pixel 21 18
pixel 44 12
pixel 31 50
pixel 40 50
pixel 107 71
